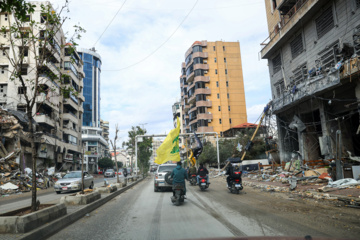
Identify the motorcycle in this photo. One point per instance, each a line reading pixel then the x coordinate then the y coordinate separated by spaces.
pixel 236 183
pixel 203 184
pixel 193 180
pixel 178 194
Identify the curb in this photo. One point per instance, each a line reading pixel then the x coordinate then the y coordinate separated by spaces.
pixel 57 225
pixel 307 194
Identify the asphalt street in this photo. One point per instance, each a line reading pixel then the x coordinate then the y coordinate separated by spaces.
pixel 47 196
pixel 141 213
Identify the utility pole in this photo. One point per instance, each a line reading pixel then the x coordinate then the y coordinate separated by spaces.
pixel 114 147
pixel 82 168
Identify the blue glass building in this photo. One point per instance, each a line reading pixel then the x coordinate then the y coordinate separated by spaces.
pixel 92 70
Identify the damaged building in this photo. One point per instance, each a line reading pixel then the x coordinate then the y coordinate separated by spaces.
pixel 57 117
pixel 313 52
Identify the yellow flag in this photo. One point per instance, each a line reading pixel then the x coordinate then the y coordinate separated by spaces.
pixel 192 158
pixel 169 149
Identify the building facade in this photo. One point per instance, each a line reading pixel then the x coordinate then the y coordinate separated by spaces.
pixel 212 87
pixel 58 116
pixel 92 70
pixel 313 53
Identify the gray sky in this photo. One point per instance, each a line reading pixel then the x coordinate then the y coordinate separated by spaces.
pixel 145 45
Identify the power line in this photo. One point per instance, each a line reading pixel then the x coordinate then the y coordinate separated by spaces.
pixel 110 22
pixel 142 60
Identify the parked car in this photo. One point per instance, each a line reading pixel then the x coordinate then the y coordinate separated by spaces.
pixel 129 171
pixel 162 176
pixel 72 182
pixel 109 173
pixel 153 168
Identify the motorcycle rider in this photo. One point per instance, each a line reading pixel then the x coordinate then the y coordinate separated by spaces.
pixel 179 175
pixel 192 170
pixel 230 171
pixel 203 172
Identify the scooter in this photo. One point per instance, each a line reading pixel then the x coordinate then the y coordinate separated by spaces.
pixel 178 194
pixel 193 180
pixel 236 183
pixel 203 184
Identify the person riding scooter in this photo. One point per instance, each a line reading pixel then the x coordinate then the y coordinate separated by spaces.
pixel 230 171
pixel 179 175
pixel 202 172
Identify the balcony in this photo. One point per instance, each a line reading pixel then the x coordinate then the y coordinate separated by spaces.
pixel 306 90
pixel 192 99
pixel 44 119
pixel 70 131
pixel 204 116
pixel 193 108
pixel 187 107
pixel 70 102
pixel 70 116
pixel 203 91
pixel 51 99
pixel 201 66
pixel 203 104
pixel 190 78
pixel 201 79
pixel 194 121
pixel 297 13
pixel 205 129
pixel 200 54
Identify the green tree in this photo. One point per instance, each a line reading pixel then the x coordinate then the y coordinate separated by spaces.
pixel 35 39
pixel 226 148
pixel 257 150
pixel 208 154
pixel 106 163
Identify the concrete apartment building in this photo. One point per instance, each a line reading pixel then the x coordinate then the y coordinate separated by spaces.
pixel 57 117
pixel 212 87
pixel 94 131
pixel 313 53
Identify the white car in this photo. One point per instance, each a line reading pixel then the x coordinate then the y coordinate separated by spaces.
pixel 162 176
pixel 72 182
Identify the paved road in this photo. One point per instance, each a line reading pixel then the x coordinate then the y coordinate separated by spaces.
pixel 44 196
pixel 141 213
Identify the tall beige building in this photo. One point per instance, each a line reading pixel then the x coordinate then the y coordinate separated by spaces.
pixel 212 87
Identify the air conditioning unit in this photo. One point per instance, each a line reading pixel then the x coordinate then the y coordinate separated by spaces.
pixel 209 120
pixel 205 61
pixel 205 72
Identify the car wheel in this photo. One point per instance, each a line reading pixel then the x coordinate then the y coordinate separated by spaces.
pixel 91 185
pixel 58 192
pixel 156 189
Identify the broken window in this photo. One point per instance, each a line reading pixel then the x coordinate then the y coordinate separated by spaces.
pixel 276 62
pixel 24 51
pixel 21 108
pixel 296 46
pixel 328 56
pixel 325 22
pixel 300 74
pixel 280 87
pixel 356 38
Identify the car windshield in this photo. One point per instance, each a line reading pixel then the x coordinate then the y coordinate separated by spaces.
pixel 166 168
pixel 73 175
pixel 109 170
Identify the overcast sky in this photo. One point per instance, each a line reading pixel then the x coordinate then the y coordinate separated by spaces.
pixel 144 46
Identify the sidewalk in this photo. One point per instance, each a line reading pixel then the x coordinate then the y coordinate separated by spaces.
pixel 307 189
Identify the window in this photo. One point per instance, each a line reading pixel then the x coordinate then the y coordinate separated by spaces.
pixel 217 84
pixel 280 86
pixel 27 18
pixel 215 71
pixel 228 96
pixel 276 62
pixel 197 48
pixel 218 95
pixel 198 60
pixel 21 90
pixel 224 60
pixel 214 48
pixel 273 5
pixel 219 120
pixel 21 108
pixel 357 4
pixel 225 71
pixel 230 120
pixel 356 38
pixel 4 53
pixel 227 83
pixel 223 48
pixel 219 108
pixel 24 51
pixel 229 108
pixel 24 70
pixel 215 60
pixel 43 17
pixel 296 46
pixel 325 22
pixel 300 74
pixel 328 56
pixel 2 71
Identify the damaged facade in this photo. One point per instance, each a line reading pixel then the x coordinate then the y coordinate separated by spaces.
pixel 313 52
pixel 57 116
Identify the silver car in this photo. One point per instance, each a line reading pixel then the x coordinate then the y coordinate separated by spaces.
pixel 109 173
pixel 162 177
pixel 72 182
